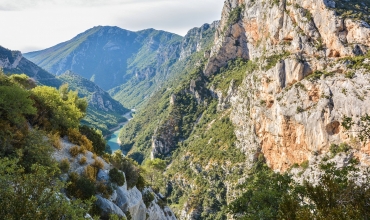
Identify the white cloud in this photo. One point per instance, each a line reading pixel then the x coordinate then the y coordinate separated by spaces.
pixel 34 24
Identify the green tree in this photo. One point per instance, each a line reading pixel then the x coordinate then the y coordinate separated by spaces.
pixel 35 195
pixel 154 172
pixel 337 195
pixel 262 194
pixel 55 113
pixel 96 137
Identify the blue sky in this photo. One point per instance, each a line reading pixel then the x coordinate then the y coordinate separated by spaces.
pixel 29 25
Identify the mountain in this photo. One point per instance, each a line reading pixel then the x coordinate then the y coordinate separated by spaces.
pixel 279 99
pixel 109 56
pixel 14 62
pixel 104 112
pixel 137 91
pixel 131 64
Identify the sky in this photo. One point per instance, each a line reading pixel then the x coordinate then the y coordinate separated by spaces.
pixel 29 25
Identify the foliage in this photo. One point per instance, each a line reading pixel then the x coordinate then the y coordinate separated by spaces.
pixel 64 165
pixel 235 15
pixel 57 110
pixel 96 137
pixel 208 153
pixel 80 187
pixel 354 9
pixel 15 105
pixel 83 160
pixel 236 71
pixel 105 190
pixel 262 194
pixel 362 128
pixel 91 172
pixel 317 75
pixel 337 195
pixel 98 164
pixel 75 137
pixel 55 140
pixel 154 172
pixel 35 195
pixel 357 62
pixel 116 177
pixel 130 168
pixel 343 147
pixel 271 61
pixel 148 197
pixel 74 151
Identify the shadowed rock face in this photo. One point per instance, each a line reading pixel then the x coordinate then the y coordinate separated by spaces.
pixel 298 117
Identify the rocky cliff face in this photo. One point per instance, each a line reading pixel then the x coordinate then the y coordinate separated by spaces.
pixel 291 107
pixel 13 62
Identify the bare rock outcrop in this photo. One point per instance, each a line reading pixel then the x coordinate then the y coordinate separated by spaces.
pixel 292 106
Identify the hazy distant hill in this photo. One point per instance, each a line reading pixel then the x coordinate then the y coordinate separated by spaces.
pixel 109 56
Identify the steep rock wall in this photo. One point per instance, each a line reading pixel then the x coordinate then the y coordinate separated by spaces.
pixel 283 109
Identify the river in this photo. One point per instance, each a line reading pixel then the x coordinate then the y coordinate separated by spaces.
pixel 114 141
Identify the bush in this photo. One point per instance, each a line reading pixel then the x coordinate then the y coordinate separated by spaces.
pixel 74 151
pixel 130 168
pixel 55 140
pixel 148 197
pixel 91 173
pixel 105 190
pixel 98 164
pixel 64 165
pixel 116 177
pixel 83 160
pixel 80 187
pixel 96 137
pixel 75 137
pixel 343 147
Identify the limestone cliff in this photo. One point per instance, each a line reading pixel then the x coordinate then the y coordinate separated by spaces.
pixel 291 107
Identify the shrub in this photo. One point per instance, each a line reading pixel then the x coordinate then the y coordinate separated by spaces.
pixel 91 172
pixel 96 137
pixel 98 164
pixel 80 187
pixel 64 165
pixel 105 190
pixel 75 137
pixel 299 109
pixel 343 147
pixel 116 177
pixel 350 75
pixel 305 164
pixel 55 140
pixel 74 151
pixel 130 168
pixel 83 160
pixel 148 197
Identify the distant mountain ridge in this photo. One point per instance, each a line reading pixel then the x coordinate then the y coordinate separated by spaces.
pixel 14 62
pixel 131 65
pixel 108 56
